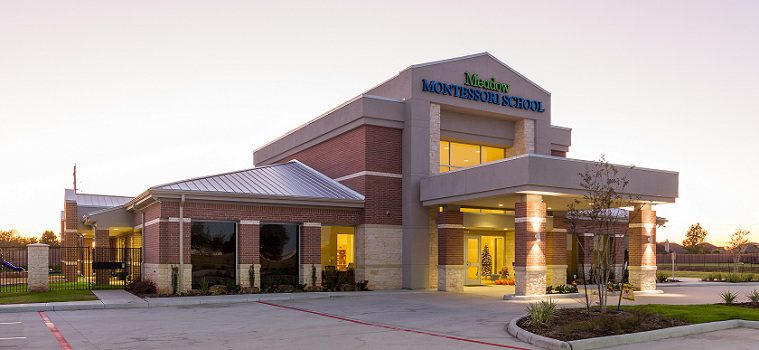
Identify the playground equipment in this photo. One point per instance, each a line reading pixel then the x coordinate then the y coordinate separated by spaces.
pixel 8 264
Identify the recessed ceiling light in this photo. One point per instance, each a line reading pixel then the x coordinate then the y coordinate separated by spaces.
pixel 500 204
pixel 549 208
pixel 466 160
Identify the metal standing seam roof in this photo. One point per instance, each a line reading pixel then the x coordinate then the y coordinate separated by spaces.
pixel 291 179
pixel 96 200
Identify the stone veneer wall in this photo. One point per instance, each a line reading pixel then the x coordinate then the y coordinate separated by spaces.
pixel 160 274
pixel 378 255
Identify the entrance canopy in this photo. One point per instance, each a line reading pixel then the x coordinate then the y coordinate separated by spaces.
pixel 499 184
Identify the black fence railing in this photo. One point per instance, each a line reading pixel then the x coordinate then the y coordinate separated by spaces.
pixel 94 268
pixel 13 266
pixel 748 263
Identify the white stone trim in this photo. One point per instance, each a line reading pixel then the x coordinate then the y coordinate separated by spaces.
pixel 639 225
pixel 152 222
pixel 250 222
pixel 71 230
pixel 529 219
pixel 177 219
pixel 450 226
pixel 586 234
pixel 642 268
pixel 563 230
pixel 312 224
pixel 619 236
pixel 368 173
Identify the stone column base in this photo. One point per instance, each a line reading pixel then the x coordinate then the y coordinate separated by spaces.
pixel 245 275
pixel 450 278
pixel 38 267
pixel 530 280
pixel 556 275
pixel 160 274
pixel 642 277
pixel 306 271
pixel 619 272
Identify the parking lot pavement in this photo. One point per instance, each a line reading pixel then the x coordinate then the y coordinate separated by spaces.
pixel 471 320
pixel 25 331
pixel 261 326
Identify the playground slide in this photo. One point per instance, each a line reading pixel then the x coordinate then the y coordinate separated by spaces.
pixel 11 266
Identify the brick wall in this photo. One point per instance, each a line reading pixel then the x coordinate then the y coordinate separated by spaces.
pixel 527 250
pixel 310 245
pixel 249 244
pixel 450 242
pixel 200 210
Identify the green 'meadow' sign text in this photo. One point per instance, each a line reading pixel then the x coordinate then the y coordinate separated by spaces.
pixel 472 79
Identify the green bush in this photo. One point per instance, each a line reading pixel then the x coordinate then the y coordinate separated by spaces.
pixel 754 296
pixel 661 277
pixel 739 277
pixel 728 297
pixel 541 314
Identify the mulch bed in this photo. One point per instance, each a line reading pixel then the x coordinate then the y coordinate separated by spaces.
pixel 574 324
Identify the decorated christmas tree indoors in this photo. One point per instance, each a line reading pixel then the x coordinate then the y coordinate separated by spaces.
pixel 487 261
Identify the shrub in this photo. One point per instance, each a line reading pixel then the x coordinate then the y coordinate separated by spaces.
pixel 204 286
pixel 661 277
pixel 141 287
pixel 754 296
pixel 728 297
pixel 541 314
pixel 362 285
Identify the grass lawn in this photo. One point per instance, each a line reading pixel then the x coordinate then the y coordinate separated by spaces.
pixel 702 313
pixel 45 297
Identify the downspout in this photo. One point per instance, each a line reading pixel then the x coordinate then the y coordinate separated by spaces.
pixel 181 243
pixel 142 247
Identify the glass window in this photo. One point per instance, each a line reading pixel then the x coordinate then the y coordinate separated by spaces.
pixel 338 255
pixel 212 253
pixel 279 254
pixel 464 155
pixel 445 153
pixel 490 154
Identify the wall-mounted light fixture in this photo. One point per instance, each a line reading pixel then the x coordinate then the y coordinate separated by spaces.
pixel 538 236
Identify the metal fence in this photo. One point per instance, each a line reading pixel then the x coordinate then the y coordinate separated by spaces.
pixel 13 273
pixel 73 268
pixel 710 262
pixel 94 268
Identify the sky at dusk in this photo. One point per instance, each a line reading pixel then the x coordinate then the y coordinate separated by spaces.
pixel 140 93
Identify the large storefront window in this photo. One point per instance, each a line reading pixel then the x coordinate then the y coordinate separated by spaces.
pixel 279 254
pixel 212 253
pixel 338 253
pixel 455 155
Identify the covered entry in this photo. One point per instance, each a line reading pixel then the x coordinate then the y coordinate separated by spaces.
pixel 488 258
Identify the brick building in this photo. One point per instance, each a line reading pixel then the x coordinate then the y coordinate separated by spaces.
pixel 446 175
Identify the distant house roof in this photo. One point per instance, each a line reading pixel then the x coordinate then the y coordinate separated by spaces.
pixel 292 179
pixel 96 200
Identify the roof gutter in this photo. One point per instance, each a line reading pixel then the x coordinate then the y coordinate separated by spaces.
pixel 180 277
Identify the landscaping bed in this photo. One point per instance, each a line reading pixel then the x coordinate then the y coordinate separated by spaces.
pixel 574 324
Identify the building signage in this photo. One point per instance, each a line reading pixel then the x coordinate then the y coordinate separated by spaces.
pixel 471 90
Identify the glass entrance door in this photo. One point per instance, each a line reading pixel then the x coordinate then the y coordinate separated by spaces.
pixel 472 260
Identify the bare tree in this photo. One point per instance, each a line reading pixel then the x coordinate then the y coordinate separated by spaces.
pixel 597 213
pixel 738 242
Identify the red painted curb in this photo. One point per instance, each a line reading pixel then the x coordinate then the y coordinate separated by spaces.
pixel 58 336
pixel 392 327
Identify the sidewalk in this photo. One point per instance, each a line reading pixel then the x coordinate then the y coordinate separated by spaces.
pixel 121 299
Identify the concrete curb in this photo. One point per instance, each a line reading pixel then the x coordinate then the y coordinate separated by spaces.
pixel 187 301
pixel 543 296
pixel 623 339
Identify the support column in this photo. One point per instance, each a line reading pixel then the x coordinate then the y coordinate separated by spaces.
pixel 450 268
pixel 310 253
pixel 642 247
pixel 249 253
pixel 530 260
pixel 102 254
pixel 38 255
pixel 556 253
pixel 586 243
pixel 70 241
pixel 619 257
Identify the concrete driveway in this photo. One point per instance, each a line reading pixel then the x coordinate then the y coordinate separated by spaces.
pixel 471 320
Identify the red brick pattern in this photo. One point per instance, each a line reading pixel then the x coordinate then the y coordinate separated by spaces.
pixel 249 244
pixel 528 251
pixel 556 153
pixel 310 245
pixel 206 210
pixel 450 241
pixel 556 248
pixel 640 252
pixel 339 156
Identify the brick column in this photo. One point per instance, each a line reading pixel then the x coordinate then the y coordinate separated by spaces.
pixel 619 256
pixel 642 247
pixel 530 260
pixel 450 250
pixel 102 254
pixel 310 252
pixel 70 241
pixel 556 253
pixel 38 255
pixel 250 252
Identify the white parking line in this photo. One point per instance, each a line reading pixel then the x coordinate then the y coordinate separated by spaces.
pixel 7 323
pixel 12 338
